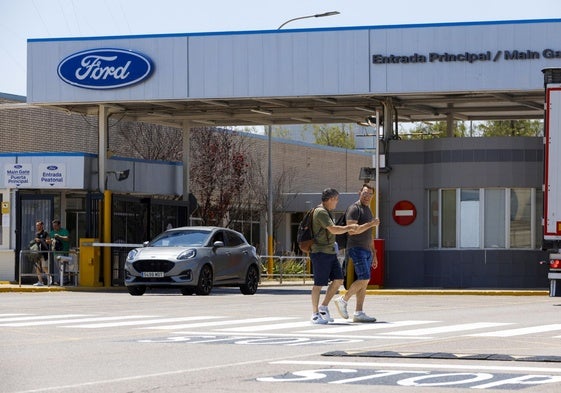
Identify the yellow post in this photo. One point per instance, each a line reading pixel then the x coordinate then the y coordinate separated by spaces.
pixel 107 238
pixel 88 273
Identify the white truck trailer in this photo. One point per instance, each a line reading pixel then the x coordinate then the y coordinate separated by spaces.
pixel 552 176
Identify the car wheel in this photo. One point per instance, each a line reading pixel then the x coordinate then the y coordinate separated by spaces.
pixel 137 290
pixel 251 281
pixel 187 291
pixel 204 285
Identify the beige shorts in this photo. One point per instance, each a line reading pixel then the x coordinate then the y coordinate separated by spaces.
pixel 44 263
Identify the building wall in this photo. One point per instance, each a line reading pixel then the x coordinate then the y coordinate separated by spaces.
pixel 312 168
pixel 42 129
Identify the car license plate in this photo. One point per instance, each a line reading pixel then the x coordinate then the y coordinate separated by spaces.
pixel 152 274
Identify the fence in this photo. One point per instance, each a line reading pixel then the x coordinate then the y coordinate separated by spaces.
pixel 281 268
pixel 61 267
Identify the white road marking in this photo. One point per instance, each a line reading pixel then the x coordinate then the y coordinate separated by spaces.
pixel 446 329
pixel 219 323
pixel 133 323
pixel 38 318
pixel 260 328
pixel 426 365
pixel 520 331
pixel 355 327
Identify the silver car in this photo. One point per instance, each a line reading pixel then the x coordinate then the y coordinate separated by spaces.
pixel 194 260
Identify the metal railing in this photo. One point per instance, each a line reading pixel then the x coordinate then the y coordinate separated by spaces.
pixel 60 267
pixel 284 268
pixel 63 267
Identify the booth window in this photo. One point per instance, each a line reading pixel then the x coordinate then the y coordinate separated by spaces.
pixel 488 218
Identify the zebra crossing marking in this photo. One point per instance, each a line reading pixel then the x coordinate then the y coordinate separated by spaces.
pixel 36 318
pixel 71 320
pixel 520 331
pixel 133 323
pixel 447 329
pixel 251 326
pixel 217 323
pixel 261 328
pixel 354 327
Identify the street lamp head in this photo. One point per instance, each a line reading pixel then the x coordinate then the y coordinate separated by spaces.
pixel 330 13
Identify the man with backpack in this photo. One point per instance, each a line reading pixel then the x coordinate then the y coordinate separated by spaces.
pixel 323 254
pixel 360 250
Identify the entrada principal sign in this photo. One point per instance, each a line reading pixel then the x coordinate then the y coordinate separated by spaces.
pixel 466 57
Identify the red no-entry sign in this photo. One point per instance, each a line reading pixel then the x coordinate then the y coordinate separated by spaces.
pixel 404 212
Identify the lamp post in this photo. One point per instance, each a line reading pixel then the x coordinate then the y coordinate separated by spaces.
pixel 376 163
pixel 270 164
pixel 330 13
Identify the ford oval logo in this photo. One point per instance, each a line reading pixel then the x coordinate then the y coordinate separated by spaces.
pixel 104 68
pixel 52 167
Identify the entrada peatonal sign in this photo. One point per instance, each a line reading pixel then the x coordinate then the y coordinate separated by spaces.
pixel 466 57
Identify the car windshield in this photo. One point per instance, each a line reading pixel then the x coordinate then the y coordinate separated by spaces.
pixel 185 238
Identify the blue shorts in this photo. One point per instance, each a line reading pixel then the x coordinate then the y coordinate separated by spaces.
pixel 326 268
pixel 362 261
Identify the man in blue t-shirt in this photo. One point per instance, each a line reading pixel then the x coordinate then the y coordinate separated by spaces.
pixel 360 250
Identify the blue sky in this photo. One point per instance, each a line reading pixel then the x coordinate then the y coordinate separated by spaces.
pixel 23 19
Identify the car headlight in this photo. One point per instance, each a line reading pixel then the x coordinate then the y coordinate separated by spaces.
pixel 187 254
pixel 132 254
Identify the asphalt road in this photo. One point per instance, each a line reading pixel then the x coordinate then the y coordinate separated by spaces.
pixel 228 342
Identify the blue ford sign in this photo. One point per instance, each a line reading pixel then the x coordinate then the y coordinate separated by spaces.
pixel 104 68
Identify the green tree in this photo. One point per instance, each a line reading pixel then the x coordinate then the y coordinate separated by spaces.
pixel 279 132
pixel 437 129
pixel 511 128
pixel 334 135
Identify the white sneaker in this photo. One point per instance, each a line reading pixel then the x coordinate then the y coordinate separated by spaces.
pixel 39 284
pixel 360 316
pixel 342 307
pixel 324 312
pixel 317 319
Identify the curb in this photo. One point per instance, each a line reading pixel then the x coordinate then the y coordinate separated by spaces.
pixel 10 287
pixel 473 292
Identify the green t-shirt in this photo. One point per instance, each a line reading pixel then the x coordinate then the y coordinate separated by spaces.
pixel 61 232
pixel 324 241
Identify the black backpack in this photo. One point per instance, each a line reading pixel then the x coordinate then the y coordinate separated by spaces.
pixel 342 238
pixel 305 234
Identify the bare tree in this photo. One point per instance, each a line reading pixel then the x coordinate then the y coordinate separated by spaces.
pixel 226 175
pixel 148 141
pixel 219 168
pixel 282 188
